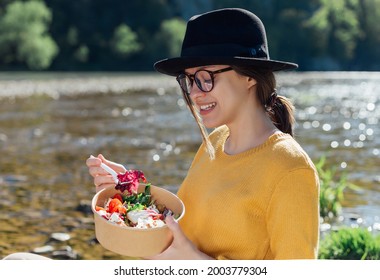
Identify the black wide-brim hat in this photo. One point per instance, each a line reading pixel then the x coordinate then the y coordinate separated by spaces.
pixel 223 37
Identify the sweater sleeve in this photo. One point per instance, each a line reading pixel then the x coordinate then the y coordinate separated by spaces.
pixel 293 216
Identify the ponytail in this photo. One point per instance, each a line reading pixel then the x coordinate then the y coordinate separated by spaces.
pixel 281 112
pixel 279 108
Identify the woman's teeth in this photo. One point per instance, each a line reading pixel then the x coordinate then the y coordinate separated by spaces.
pixel 208 106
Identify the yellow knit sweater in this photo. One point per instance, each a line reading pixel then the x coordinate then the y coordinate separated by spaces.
pixel 259 204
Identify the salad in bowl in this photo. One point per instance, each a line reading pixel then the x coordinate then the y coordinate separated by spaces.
pixel 134 210
pixel 130 217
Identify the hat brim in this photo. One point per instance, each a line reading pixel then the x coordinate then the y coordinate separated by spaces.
pixel 175 66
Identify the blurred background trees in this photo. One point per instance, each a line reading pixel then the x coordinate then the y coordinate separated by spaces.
pixel 24 37
pixel 120 35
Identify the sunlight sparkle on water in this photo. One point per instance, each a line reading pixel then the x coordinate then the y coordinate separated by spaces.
pixel 326 127
pixel 369 131
pixel 156 157
pixel 370 106
pixel 306 125
pixel 126 111
pixel 161 91
pixel 362 126
pixel 334 144
pixel 181 102
pixel 346 125
pixel 358 144
pixel 315 124
pixel 311 110
pixel 347 142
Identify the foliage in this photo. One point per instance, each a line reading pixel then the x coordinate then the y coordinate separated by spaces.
pixel 133 34
pixel 81 54
pixel 170 36
pixel 335 28
pixel 331 190
pixel 350 244
pixel 124 41
pixel 24 36
pixel 368 14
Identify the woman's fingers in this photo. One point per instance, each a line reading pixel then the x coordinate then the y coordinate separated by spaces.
pixel 103 186
pixel 119 168
pixel 174 227
pixel 96 171
pixel 102 179
pixel 94 168
pixel 93 164
pixel 93 161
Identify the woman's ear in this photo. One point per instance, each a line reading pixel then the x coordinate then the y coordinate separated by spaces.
pixel 251 82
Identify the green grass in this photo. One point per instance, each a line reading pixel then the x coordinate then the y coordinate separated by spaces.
pixel 332 187
pixel 344 243
pixel 350 244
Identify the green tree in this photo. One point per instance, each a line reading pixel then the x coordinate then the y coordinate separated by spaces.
pixel 24 34
pixel 288 38
pixel 335 28
pixel 81 53
pixel 170 36
pixel 124 41
pixel 368 52
pixel 92 35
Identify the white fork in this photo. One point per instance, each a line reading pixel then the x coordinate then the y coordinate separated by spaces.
pixel 109 170
pixel 112 172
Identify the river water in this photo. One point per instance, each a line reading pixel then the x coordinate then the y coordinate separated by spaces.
pixel 50 123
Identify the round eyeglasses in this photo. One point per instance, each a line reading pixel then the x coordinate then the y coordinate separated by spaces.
pixel 204 80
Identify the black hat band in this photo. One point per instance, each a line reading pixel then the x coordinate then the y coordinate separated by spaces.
pixel 225 50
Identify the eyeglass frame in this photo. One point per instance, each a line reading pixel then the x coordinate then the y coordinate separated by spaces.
pixel 193 79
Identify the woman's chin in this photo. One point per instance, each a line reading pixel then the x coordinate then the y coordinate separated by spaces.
pixel 210 124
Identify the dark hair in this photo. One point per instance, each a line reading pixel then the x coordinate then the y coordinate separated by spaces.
pixel 206 140
pixel 279 108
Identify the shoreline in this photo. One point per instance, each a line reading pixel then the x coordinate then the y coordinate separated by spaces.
pixel 73 84
pixel 55 84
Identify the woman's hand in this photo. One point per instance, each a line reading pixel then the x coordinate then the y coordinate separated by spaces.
pixel 102 179
pixel 181 248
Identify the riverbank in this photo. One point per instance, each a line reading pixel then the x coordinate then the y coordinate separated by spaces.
pixel 24 84
pixel 57 84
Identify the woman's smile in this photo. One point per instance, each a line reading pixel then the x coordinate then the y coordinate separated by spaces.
pixel 206 108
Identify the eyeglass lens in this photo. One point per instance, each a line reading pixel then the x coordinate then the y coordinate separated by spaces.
pixel 202 78
pixel 185 83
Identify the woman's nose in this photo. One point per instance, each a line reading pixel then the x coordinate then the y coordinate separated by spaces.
pixel 196 92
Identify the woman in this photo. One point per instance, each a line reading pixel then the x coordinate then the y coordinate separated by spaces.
pixel 251 191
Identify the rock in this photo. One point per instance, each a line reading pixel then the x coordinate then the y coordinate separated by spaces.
pixel 84 207
pixel 60 236
pixel 93 241
pixel 13 180
pixel 66 253
pixel 353 217
pixel 43 249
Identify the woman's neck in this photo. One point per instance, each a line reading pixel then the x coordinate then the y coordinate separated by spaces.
pixel 249 133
